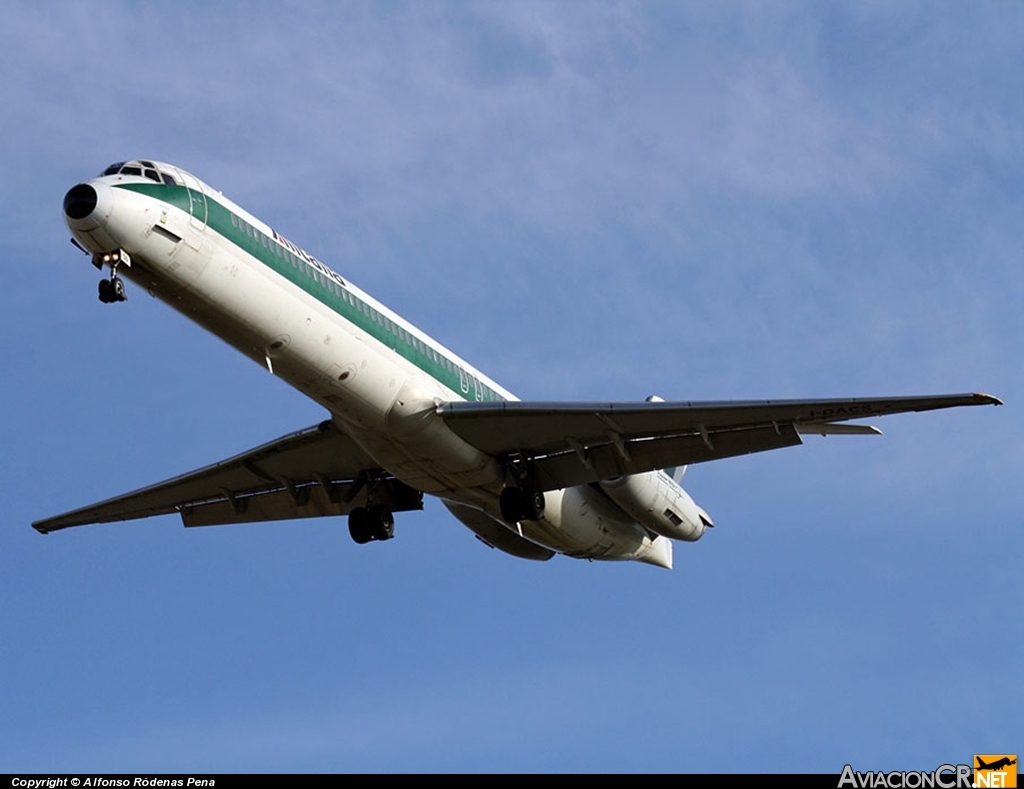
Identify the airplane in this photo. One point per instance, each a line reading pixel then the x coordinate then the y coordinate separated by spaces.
pixel 999 764
pixel 406 416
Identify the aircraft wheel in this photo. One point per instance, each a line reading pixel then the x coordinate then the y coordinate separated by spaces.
pixel 382 522
pixel 521 504
pixel 117 289
pixel 105 294
pixel 531 503
pixel 359 525
pixel 510 505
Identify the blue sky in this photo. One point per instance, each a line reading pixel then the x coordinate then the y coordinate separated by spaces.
pixel 587 201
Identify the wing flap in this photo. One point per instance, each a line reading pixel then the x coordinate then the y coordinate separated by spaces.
pixel 321 455
pixel 305 501
pixel 606 461
pixel 836 429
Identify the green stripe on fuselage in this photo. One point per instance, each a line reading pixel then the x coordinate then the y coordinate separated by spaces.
pixel 323 288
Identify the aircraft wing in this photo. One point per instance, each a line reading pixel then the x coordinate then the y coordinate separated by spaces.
pixel 314 472
pixel 575 443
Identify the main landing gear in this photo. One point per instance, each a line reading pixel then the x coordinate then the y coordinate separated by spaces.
pixel 112 289
pixel 522 504
pixel 373 523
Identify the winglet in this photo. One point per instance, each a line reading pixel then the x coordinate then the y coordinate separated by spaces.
pixel 987 399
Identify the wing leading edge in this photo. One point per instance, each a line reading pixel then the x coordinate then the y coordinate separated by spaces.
pixel 576 443
pixel 314 472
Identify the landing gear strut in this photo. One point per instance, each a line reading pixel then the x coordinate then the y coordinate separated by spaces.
pixel 368 524
pixel 112 289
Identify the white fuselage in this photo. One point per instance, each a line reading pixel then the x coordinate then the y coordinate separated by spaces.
pixel 380 377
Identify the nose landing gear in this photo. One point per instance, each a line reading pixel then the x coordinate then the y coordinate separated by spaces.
pixel 112 290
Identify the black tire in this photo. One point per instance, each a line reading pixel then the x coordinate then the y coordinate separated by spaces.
pixel 105 291
pixel 359 525
pixel 382 522
pixel 511 506
pixel 118 290
pixel 531 503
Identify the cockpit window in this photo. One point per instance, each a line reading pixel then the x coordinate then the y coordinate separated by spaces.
pixel 141 167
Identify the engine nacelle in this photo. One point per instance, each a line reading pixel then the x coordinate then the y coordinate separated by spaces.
pixel 657 501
